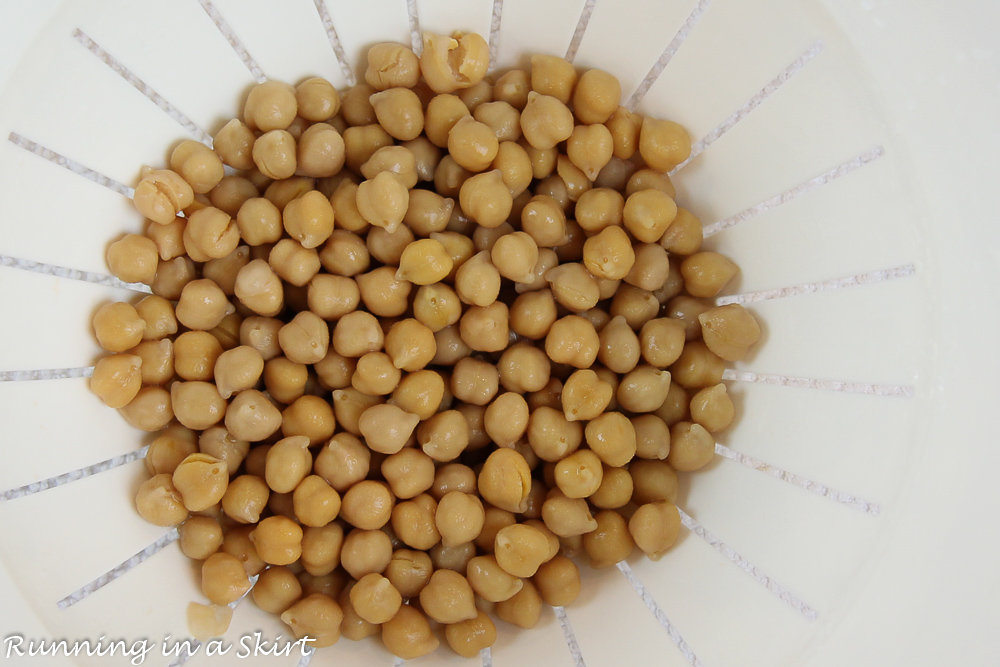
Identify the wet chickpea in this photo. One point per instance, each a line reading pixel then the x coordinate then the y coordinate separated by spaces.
pixel 150 410
pixel 643 389
pixel 472 144
pixel 651 267
pixel 687 310
pixel 697 366
pixel 284 379
pixel 637 306
pixel 515 255
pixel 573 286
pixel 408 635
pixel 585 396
pixel 197 404
pixel 448 597
pixel 202 305
pixel 486 199
pixel 615 174
pixel 426 157
pixel 652 481
pixel 309 219
pixel 382 201
pixel 168 238
pixel 450 346
pixel 413 522
pixel 409 472
pixel 609 254
pixel 316 99
pixel 316 616
pixel 399 112
pixel 344 461
pixel 579 475
pixel 652 437
pixel 506 418
pixel 332 297
pixel 310 416
pixel 625 127
pixel 259 221
pixel 237 543
pixel 589 149
pixel 661 341
pixel 460 247
pixel 223 579
pixel 610 542
pixel 117 378
pixel 612 437
pixel 574 181
pixel 356 334
pixel 545 121
pixel 706 273
pixel 551 435
pixel 424 262
pixel 474 381
pixel 459 518
pixel 133 259
pixel 259 288
pixel 221 444
pixel 663 144
pixel 533 314
pixel 572 340
pixel 361 143
pixel 712 408
pixel 505 480
pixel 159 502
pixel 427 212
pixel 615 490
pixel 502 118
pixel 270 106
pixel 675 406
pixel 305 339
pixel 375 374
pixel 168 450
pixel 477 281
pixel 383 293
pixel 200 537
pixel 654 526
pixel 619 346
pixel 596 96
pixel 476 95
pixel 172 276
pixel 409 571
pixel 252 417
pixel 648 214
pixel 391 65
pixel 288 463
pixel 386 428
pixel 523 609
pixel 596 210
pixel 452 63
pixel 234 144
pixel 558 581
pixel 729 331
pixel 161 195
pixel 524 368
pixel 684 235
pixel 276 589
pixel 410 345
pixel 232 192
pixel 365 551
pixel 443 112
pixel 356 107
pixel 691 446
pixel 567 517
pixel 420 393
pixel 334 371
pixel 375 599
pixel 444 436
pixel 237 369
pixel 245 499
pixel 293 262
pixel 118 327
pixel 274 153
pixel 552 75
pixel 650 179
pixel 468 638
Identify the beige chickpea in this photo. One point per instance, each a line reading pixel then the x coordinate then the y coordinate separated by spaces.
pixel 274 153
pixel 259 221
pixel 288 463
pixel 451 63
pixel 284 379
pixel 661 341
pixel 157 362
pixel 276 590
pixel 197 404
pixel 221 444
pixel 444 436
pixel 365 551
pixel 544 220
pixel 589 148
pixel 643 389
pixel 200 537
pixel 316 616
pixel 168 450
pixel 168 238
pixel 468 638
pixel 424 262
pixel 202 305
pixel 172 276
pixel 568 178
pixel 524 609
pixel 596 210
pixel 453 477
pixel 650 179
pixel 408 635
pixel 316 503
pixel 375 599
pixel 133 259
pixel 197 164
pixel 706 273
pixel 697 366
pixel 448 597
pixel 345 254
pixel 310 416
pixel 558 581
pixel 572 340
pixel 356 106
pixel 648 214
pixel 150 410
pixel 269 106
pixel 585 396
pixel 654 527
pixel 573 286
pixel 712 408
pixel 410 345
pixel 515 255
pixel 348 406
pixel 651 267
pixel 612 437
pixel 375 374
pixel 521 549
pixel 615 174
pixel 334 371
pixel 245 499
pixel 567 517
pixel 278 540
pixel 684 235
pixel 675 407
pixel 533 314
pixel 293 262
pixel 223 579
pixel 545 121
pixel 663 144
pixel 118 327
pixel 237 543
pixel 552 75
pixel 459 518
pixel 383 292
pixel 409 571
pixel 382 201
pixel 391 65
pixel 361 143
pixel 331 297
pixel 305 339
pixel 450 347
pixel 472 144
pixel 386 428
pixel 485 329
pixel 343 258
pixel 486 199
pixel 443 112
pixel 309 219
pixel 159 502
pixel 474 381
pixel 729 331
pixel 477 94
pixel 259 288
pixel 234 143
pixel 427 212
pixel 579 475
pixel 513 87
pixel 398 110
pixel 609 254
pixel 408 472
pixel 396 160
pixel 506 419
pixel 625 126
pixel 615 490
pixel 619 346
pixel 505 480
pixel 552 436
pixel 596 96
pixel 344 461
pixel 413 522
pixel 691 446
pixel 652 480
pixel 421 393
pixel 316 99
pixel 609 543
pixel 502 118
pixel 637 306
pixel 652 437
pixel 477 281
pixel 161 195
pixel 231 193
pixel 117 378
pixel 356 334
pixel 237 369
pixel 252 417
pixel 686 310
pixel 524 368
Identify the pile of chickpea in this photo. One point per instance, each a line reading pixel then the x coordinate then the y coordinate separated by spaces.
pixel 433 338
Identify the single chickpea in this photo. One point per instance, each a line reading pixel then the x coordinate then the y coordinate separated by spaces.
pixel 474 381
pixel 552 436
pixel 409 472
pixel 472 144
pixel 270 106
pixel 652 437
pixel 310 416
pixel 610 542
pixel 468 638
pixel 661 341
pixel 654 527
pixel 505 480
pixel 375 599
pixel 573 286
pixel 344 461
pixel 643 389
pixel 684 235
pixel 524 368
pixel 625 126
pixel 245 499
pixel 589 148
pixel 392 65
pixel 284 379
pixel 486 329
pixel 596 96
pixel 567 517
pixel 675 407
pixel 477 281
pixel 451 63
pixel 652 480
pixel 408 635
pixel 533 314
pixel 612 437
pixel 161 195
pixel 252 417
pixel 386 428
pixel 691 446
pixel 697 366
pixel 409 571
pixel 558 581
pixel 663 144
pixel 223 579
pixel 729 331
pixel 159 502
pixel 356 106
pixel 316 616
pixel 288 463
pixel 448 597
pixel 306 339
pixel 615 490
pixel 486 199
pixel 421 393
pixel 382 201
pixel 117 379
pixel 648 214
pixel 413 523
pixel 234 145
pixel 316 99
pixel 259 289
pixel 231 193
pixel 444 436
pixel 637 306
pixel 706 273
pixel 524 609
pixel 197 405
pixel 118 327
pixel 545 121
pixel 133 259
pixel 399 111
pixel 585 396
pixel 506 419
pixel 276 590
pixel 572 340
pixel 712 408
pixel 459 518
pixel 427 212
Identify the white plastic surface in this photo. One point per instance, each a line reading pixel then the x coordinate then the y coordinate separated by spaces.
pixel 911 83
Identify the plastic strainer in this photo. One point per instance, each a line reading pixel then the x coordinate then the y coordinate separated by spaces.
pixel 842 160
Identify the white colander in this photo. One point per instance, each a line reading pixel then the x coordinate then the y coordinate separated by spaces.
pixel 845 158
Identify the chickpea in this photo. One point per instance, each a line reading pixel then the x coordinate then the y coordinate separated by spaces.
pixel 523 609
pixel 552 436
pixel 486 199
pixel 410 345
pixel 408 635
pixel 505 480
pixel 472 144
pixel 706 273
pixel 391 65
pixel 420 393
pixel 697 366
pixel 409 472
pixel 450 346
pixel 524 368
pixel 444 436
pixel 643 389
pixel 459 518
pixel 343 462
pixel 150 410
pixel 223 579
pixel 558 581
pixel 288 463
pixel 237 543
pixel 468 638
pixel 386 428
pixel 691 446
pixel 652 437
pixel 625 127
pixel 118 327
pixel 675 407
pixel 684 235
pixel 579 475
pixel 477 281
pixel 654 527
pixel 663 144
pixel 245 499
pixel 117 379
pixel 252 417
pixel 356 334
pixel 424 262
pixel 552 75
pixel 451 63
pixel 161 195
pixel 259 289
pixel 234 144
pixel 448 597
pixel 712 408
pixel 159 502
pixel 615 490
pixel 652 480
pixel 409 571
pixel 168 450
pixel 349 405
pixel 612 437
pixel 474 381
pixel 316 616
pixel 729 331
pixel 398 110
pixel 572 340
pixel 619 346
pixel 637 306
pixel 506 419
pixel 585 396
pixel 413 522
pixel 533 314
pixel 545 121
pixel 197 405
pixel 276 590
pixel 200 537
pixel 232 192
